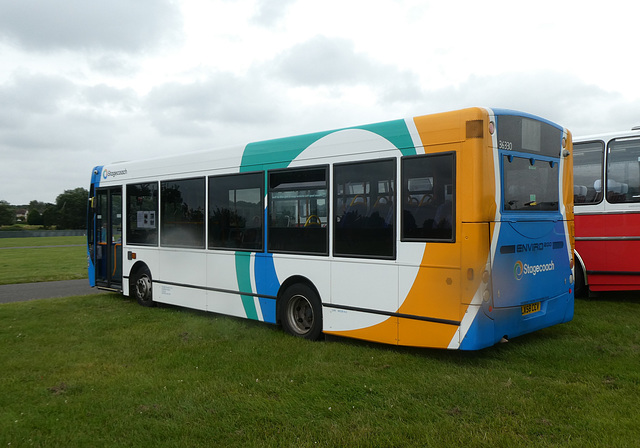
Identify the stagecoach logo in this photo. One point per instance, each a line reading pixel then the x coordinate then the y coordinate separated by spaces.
pixel 106 173
pixel 520 270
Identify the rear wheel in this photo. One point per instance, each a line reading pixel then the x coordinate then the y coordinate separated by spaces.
pixel 301 313
pixel 581 289
pixel 142 287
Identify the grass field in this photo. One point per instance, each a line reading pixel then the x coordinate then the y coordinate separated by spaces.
pixel 102 371
pixel 24 260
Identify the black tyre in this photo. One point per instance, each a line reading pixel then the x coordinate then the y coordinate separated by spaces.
pixel 581 290
pixel 301 312
pixel 142 287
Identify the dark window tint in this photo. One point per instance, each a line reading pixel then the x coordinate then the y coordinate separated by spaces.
pixel 530 184
pixel 236 211
pixel 142 214
pixel 298 210
pixel 182 213
pixel 587 172
pixel 364 195
pixel 428 197
pixel 623 170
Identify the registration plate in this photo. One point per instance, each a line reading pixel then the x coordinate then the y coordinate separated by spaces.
pixel 530 308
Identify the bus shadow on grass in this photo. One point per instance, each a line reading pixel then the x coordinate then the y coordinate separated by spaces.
pixel 611 296
pixel 459 357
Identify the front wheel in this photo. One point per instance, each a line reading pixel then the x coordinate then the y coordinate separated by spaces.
pixel 302 312
pixel 142 287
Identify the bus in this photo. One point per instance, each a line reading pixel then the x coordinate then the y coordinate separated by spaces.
pixel 607 211
pixel 451 230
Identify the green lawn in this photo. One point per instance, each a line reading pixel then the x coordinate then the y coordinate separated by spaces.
pixel 102 371
pixel 24 260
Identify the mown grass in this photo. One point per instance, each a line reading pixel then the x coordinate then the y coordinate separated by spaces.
pixel 101 371
pixel 24 260
pixel 43 241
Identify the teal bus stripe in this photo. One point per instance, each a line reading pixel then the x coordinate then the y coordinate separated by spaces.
pixel 281 152
pixel 243 274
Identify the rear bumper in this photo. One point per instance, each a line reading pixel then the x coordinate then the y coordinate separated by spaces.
pixel 490 327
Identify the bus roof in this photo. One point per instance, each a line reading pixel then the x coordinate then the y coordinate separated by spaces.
pixel 607 135
pixel 278 153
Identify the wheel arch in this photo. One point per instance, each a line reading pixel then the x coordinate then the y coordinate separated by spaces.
pixel 137 267
pixel 580 265
pixel 581 279
pixel 293 280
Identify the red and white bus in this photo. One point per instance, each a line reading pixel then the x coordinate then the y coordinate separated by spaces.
pixel 607 211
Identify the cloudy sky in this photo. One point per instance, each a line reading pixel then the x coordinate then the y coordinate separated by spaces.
pixel 84 83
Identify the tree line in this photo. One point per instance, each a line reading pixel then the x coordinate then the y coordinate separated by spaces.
pixel 69 211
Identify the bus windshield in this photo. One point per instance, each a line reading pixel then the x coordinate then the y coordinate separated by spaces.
pixel 530 184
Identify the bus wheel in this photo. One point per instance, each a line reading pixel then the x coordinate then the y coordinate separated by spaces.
pixel 581 290
pixel 302 312
pixel 142 287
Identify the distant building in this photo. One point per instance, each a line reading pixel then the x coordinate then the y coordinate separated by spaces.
pixel 21 215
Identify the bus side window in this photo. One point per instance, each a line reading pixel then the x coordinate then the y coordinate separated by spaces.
pixel 298 211
pixel 623 175
pixel 142 212
pixel 428 197
pixel 364 198
pixel 587 172
pixel 236 211
pixel 182 209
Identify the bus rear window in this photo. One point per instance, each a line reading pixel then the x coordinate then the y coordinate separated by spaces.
pixel 530 184
pixel 528 135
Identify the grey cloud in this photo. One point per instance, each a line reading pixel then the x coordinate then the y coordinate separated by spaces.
pixel 324 61
pixel 68 132
pixel 334 63
pixel 117 25
pixel 565 99
pixel 114 64
pixel 103 96
pixel 50 112
pixel 221 97
pixel 269 12
pixel 26 96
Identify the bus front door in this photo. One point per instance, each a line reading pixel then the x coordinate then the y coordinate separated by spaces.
pixel 108 238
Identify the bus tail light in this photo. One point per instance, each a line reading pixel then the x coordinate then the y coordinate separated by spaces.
pixel 486 282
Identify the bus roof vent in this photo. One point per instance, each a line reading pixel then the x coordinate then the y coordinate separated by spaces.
pixel 635 128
